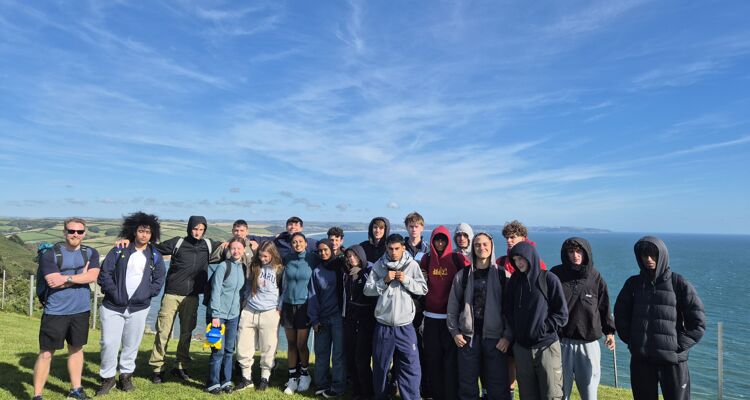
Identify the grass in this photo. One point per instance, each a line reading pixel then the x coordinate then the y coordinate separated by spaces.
pixel 20 347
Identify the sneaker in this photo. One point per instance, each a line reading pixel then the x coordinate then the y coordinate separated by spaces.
pixel 329 394
pixel 244 384
pixel 126 382
pixel 37 397
pixel 227 388
pixel 263 385
pixel 107 385
pixel 320 392
pixel 157 378
pixel 291 385
pixel 77 394
pixel 181 373
pixel 215 390
pixel 304 383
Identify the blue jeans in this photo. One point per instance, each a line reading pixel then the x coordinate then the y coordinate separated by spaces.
pixel 329 348
pixel 480 355
pixel 220 363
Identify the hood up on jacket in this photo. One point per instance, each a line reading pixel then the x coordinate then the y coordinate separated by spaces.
pixel 436 258
pixel 662 261
pixel 464 228
pixel 371 238
pixel 360 252
pixel 194 221
pixel 473 253
pixel 330 263
pixel 588 258
pixel 527 251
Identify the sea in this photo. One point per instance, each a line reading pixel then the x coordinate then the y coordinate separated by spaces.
pixel 717 265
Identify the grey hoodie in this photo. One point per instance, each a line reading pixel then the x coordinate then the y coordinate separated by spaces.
pixel 463 228
pixel 395 305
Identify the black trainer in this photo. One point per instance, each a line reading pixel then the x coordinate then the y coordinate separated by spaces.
pixel 263 385
pixel 157 378
pixel 126 382
pixel 107 385
pixel 244 384
pixel 181 373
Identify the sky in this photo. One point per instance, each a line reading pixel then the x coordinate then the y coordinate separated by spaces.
pixel 622 115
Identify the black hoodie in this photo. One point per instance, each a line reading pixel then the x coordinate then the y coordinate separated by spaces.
pixel 659 314
pixel 187 274
pixel 586 294
pixel 534 318
pixel 358 306
pixel 375 251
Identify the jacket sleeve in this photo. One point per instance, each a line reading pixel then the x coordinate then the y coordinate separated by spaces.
pixel 624 312
pixel 106 277
pixel 454 305
pixel 218 254
pixel 557 315
pixel 414 281
pixel 312 302
pixel 217 282
pixel 608 325
pixel 508 301
pixel 282 290
pixel 505 298
pixel 158 276
pixel 690 308
pixel 375 286
pixel 166 247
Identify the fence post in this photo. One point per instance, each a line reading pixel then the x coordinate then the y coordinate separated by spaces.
pixel 614 362
pixel 31 295
pixel 720 366
pixel 3 304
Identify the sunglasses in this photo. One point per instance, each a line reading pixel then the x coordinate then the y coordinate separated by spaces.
pixel 78 231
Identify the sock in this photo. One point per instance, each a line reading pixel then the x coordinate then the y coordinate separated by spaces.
pixel 292 372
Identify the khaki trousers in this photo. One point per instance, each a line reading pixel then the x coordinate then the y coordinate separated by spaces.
pixel 261 328
pixel 171 306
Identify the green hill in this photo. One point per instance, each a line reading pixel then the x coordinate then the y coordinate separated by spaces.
pixel 15 258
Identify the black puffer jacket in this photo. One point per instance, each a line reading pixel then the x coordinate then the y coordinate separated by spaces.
pixel 659 315
pixel 586 294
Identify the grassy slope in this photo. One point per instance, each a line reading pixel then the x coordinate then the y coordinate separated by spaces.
pixel 20 346
pixel 15 258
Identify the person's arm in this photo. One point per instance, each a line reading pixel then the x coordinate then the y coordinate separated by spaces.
pixel 693 317
pixel 557 316
pixel 507 308
pixel 608 325
pixel 282 290
pixel 158 275
pixel 106 278
pixel 624 312
pixel 219 254
pixel 455 305
pixel 166 247
pixel 413 280
pixel 217 282
pixel 312 303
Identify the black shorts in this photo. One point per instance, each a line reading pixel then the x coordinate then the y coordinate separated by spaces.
pixel 55 330
pixel 294 316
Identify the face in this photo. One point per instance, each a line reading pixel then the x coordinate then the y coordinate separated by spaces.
pixel 237 250
pixel 352 259
pixel 415 229
pixel 462 240
pixel 293 227
pixel 265 257
pixel 336 240
pixel 649 261
pixel 514 240
pixel 440 243
pixel 142 235
pixel 521 263
pixel 395 251
pixel 575 256
pixel 482 247
pixel 78 233
pixel 324 252
pixel 378 232
pixel 198 230
pixel 239 231
pixel 298 244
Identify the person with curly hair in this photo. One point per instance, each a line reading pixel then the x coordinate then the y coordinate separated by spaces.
pixel 130 277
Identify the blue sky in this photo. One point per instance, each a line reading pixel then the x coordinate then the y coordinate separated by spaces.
pixel 625 115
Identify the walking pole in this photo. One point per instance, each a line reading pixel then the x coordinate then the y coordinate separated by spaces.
pixel 614 361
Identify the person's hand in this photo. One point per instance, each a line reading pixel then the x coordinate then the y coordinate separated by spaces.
pixel 460 341
pixel 278 311
pixel 503 345
pixel 253 245
pixel 56 280
pixel 610 342
pixel 391 275
pixel 316 327
pixel 223 245
pixel 122 243
pixel 400 276
pixel 216 323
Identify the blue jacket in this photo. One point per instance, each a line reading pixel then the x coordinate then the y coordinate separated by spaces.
pixel 283 243
pixel 325 290
pixel 226 294
pixel 297 273
pixel 535 318
pixel 112 277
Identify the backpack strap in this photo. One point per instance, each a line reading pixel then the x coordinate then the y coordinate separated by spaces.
pixel 543 284
pixel 228 271
pixel 58 255
pixel 85 254
pixel 208 244
pixel 177 246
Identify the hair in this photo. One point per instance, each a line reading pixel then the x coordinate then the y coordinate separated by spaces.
pixel 394 238
pixel 335 231
pixel 571 245
pixel 644 248
pixel 239 222
pixel 413 218
pixel 237 239
pixel 297 234
pixel 295 220
pixel 515 228
pixel 346 253
pixel 256 265
pixel 130 224
pixel 74 219
pixel 378 222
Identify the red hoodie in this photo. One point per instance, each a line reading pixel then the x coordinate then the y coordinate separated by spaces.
pixel 439 272
pixel 505 261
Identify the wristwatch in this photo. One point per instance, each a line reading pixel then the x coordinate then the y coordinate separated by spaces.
pixel 69 280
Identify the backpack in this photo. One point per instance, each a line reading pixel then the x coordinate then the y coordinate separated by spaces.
pixel 150 263
pixel 179 243
pixel 211 271
pixel 42 289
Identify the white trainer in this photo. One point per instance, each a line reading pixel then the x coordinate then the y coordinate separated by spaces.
pixel 291 386
pixel 304 383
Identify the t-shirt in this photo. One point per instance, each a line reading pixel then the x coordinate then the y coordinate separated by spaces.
pixel 267 296
pixel 77 298
pixel 134 273
pixel 480 297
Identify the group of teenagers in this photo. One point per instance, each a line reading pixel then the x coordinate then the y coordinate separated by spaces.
pixel 441 319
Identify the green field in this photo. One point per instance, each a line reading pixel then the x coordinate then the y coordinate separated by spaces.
pixel 20 347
